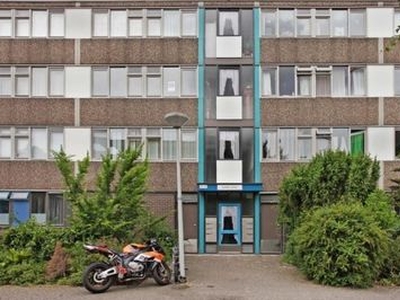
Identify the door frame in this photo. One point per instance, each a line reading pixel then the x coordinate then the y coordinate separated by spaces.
pixel 237 218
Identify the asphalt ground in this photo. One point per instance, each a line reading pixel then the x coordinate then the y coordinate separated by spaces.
pixel 216 277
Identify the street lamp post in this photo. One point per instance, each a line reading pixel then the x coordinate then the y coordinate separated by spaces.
pixel 177 120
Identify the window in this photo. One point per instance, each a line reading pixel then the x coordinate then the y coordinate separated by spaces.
pixel 153 143
pixel 228 82
pixel 339 23
pixel 340 139
pixel 396 22
pixel 270 144
pixel 39 143
pixel 269 23
pixel 56 209
pixel 189 145
pixel 357 81
pixel 323 81
pixel 135 82
pixel 5 23
pixel 304 81
pixel 99 142
pixel 153 22
pixel 287 144
pixel 134 138
pixel 135 22
pixel 396 81
pixel 303 22
pixel 169 143
pixel 22 23
pixel 171 24
pixel 21 81
pixel 171 81
pixel 117 140
pixel 339 81
pixel 5 142
pixel 304 143
pixel 4 208
pixel 228 23
pixel 397 143
pixel 189 81
pixel 5 81
pixel 56 76
pixel 21 143
pixel 324 139
pixel 118 23
pixel 118 81
pixel 357 22
pixel 100 23
pixel 286 81
pixel 269 81
pixel 189 23
pixel 322 22
pixel 56 140
pixel 39 81
pixel 286 23
pixel 229 145
pixel 153 81
pixel 100 81
pixel 39 23
pixel 38 206
pixel 57 23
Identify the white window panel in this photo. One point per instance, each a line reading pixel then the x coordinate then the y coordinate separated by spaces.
pixel 99 143
pixel 381 142
pixel 39 143
pixel 5 81
pixel 5 147
pixel 100 82
pixel 21 147
pixel 189 144
pixel 171 81
pixel 171 23
pixel 169 144
pixel 228 23
pixel 135 86
pixel 269 81
pixel 153 27
pixel 229 171
pixel 189 82
pixel 153 86
pixel 339 22
pixel 77 142
pixel 189 23
pixel 22 23
pixel 380 22
pixel 56 140
pixel 56 81
pixel 78 23
pixel 397 81
pixel 135 27
pixel 57 26
pixel 77 82
pixel 118 81
pixel 21 85
pixel 117 140
pixel 229 108
pixel 118 23
pixel 5 23
pixel 286 23
pixel 340 81
pixel 39 81
pixel 153 147
pixel 357 22
pixel 357 81
pixel 380 81
pixel 100 23
pixel 39 23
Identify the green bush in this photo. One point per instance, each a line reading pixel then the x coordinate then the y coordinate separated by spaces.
pixel 339 245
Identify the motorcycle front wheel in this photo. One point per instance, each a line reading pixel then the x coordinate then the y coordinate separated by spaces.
pixel 162 273
pixel 91 280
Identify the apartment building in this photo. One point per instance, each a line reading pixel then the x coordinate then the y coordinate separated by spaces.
pixel 266 85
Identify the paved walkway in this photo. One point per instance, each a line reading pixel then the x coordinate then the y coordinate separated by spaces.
pixel 216 277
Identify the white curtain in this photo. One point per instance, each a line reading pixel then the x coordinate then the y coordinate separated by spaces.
pixel 169 143
pixel 39 23
pixel 56 140
pixel 231 74
pixel 339 81
pixel 357 81
pixel 5 27
pixel 118 22
pixel 117 140
pixel 171 22
pixel 100 24
pixel 39 143
pixel 56 24
pixel 270 145
pixel 267 86
pixel 228 23
pixel 189 82
pixel 189 144
pixel 100 82
pixel 135 27
pixel 118 81
pixel 154 26
pixel 135 86
pixel 304 85
pixel 5 147
pixel 56 82
pixel 189 23
pixel 287 144
pixel 233 137
pixel 5 85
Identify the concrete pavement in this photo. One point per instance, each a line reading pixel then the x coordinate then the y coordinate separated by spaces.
pixel 217 277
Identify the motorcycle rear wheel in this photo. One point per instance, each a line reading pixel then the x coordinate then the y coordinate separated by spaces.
pixel 91 281
pixel 162 273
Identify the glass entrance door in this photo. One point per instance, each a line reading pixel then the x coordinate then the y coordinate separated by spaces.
pixel 229 223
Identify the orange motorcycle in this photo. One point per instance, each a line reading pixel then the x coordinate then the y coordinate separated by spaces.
pixel 136 263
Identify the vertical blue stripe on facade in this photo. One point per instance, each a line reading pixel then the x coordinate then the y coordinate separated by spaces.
pixel 200 118
pixel 257 124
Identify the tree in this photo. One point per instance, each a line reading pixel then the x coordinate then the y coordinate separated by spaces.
pixel 329 177
pixel 115 208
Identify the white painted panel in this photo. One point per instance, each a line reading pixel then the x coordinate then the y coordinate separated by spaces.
pixel 77 82
pixel 380 22
pixel 229 108
pixel 380 81
pixel 229 171
pixel 78 23
pixel 77 142
pixel 380 142
pixel 229 46
pixel 247 230
pixel 211 230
